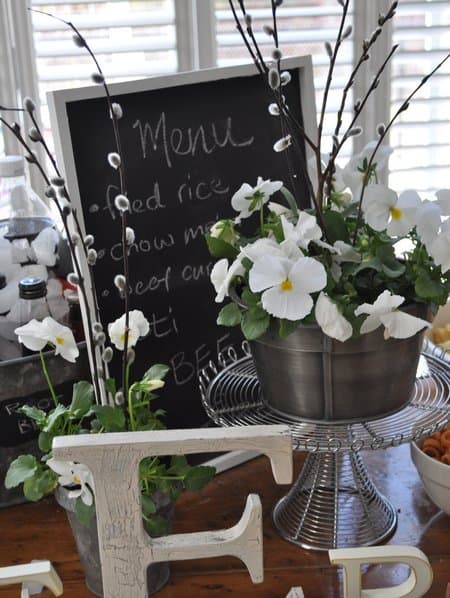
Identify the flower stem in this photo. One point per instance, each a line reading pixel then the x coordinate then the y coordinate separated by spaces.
pixel 47 377
pixel 130 408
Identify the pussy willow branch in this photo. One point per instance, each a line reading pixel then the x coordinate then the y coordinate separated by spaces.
pixel 261 68
pixel 123 190
pixel 339 39
pixel 16 132
pixel 76 220
pixel 404 106
pixel 329 169
pixel 291 123
pixel 367 46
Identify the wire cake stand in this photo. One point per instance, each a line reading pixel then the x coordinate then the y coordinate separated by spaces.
pixel 333 503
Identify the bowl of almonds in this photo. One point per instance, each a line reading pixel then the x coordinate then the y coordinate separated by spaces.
pixel 432 460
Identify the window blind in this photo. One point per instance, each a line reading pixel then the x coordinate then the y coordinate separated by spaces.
pixel 131 39
pixel 421 137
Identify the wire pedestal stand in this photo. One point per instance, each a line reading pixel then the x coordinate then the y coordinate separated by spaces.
pixel 333 503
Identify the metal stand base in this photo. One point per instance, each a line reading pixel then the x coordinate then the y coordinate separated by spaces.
pixel 334 504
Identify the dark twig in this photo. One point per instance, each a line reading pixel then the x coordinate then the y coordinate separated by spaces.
pixel 404 106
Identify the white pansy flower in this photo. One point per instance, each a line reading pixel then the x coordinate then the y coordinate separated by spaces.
pixel 439 248
pixel 330 319
pixel 303 232
pixel 384 312
pixel 249 199
pixel 261 247
pixel 32 335
pixel 71 474
pixel 137 326
pixel 345 252
pixel 403 216
pixel 222 275
pixel 443 201
pixel 287 285
pixel 279 209
pixel 340 252
pixel 61 337
pixel 384 210
pixel 338 182
pixel 291 249
pixel 351 173
pixel 36 335
pixel 265 247
pixel 428 221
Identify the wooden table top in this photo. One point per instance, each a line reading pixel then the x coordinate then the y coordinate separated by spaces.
pixel 40 531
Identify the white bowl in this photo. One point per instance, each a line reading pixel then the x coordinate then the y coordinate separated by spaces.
pixel 435 477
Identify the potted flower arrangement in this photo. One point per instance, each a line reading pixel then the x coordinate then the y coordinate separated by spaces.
pixel 102 404
pixel 333 298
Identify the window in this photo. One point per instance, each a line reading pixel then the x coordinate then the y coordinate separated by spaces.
pixel 139 38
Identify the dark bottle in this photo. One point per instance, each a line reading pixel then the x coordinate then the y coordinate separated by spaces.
pixel 32 303
pixel 32 300
pixel 74 318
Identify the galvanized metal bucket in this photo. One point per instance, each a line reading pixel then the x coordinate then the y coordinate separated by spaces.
pixel 311 376
pixel 86 540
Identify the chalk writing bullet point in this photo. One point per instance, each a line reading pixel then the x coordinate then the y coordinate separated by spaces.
pixel 93 208
pixel 101 254
pixel 105 293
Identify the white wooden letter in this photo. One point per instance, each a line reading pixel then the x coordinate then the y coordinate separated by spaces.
pixel 125 548
pixel 418 582
pixel 39 572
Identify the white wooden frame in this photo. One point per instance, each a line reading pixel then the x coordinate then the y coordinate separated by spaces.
pixel 58 100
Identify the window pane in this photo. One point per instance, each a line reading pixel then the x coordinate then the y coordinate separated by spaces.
pixel 131 40
pixel 421 136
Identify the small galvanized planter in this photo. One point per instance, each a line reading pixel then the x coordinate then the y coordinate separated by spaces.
pixel 22 382
pixel 86 539
pixel 311 376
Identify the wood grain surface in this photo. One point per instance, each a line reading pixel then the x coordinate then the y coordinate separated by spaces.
pixel 40 531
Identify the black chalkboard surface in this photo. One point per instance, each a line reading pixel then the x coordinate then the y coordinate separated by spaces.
pixel 189 141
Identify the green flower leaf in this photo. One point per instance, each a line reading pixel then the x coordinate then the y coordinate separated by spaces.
pixel 45 441
pixel 37 415
pixel 148 506
pixel 20 470
pixel 219 248
pixel 230 315
pixel 429 289
pixel 111 418
pixel 156 372
pixel 391 267
pixel 197 477
pixel 336 226
pixel 38 485
pixel 55 418
pixel 287 327
pixel 84 512
pixel 111 386
pixel 255 322
pixel 156 526
pixel 249 298
pixel 178 465
pixel 82 399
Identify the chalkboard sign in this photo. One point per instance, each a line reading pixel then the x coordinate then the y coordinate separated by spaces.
pixel 189 141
